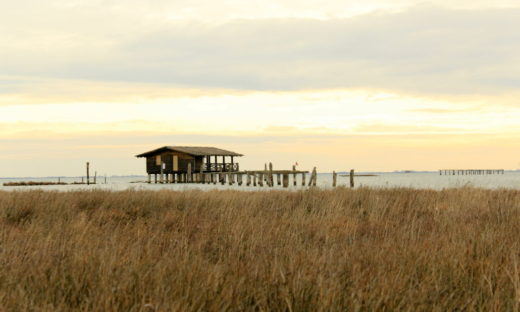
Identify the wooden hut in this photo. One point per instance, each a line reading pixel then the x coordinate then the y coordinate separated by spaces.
pixel 180 159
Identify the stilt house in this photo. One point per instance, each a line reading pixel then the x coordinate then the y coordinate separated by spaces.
pixel 181 159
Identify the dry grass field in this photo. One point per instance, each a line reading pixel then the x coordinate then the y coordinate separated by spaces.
pixel 316 250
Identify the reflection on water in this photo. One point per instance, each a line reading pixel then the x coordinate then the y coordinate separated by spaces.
pixel 382 180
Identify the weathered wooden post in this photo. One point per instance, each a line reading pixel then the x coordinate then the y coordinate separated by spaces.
pixel 352 178
pixel 254 179
pixel 189 172
pixel 303 178
pixel 162 172
pixel 294 175
pixel 278 181
pixel 155 177
pixel 271 178
pixel 248 176
pixel 314 177
pixel 95 177
pixel 149 178
pixel 334 178
pixel 106 178
pixel 285 180
pixel 88 173
pixel 261 179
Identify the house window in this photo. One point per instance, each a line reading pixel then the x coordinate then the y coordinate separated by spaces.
pixel 158 160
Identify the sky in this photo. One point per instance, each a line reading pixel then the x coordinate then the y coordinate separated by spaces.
pixel 364 84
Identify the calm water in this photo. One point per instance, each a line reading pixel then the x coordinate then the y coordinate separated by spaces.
pixel 383 180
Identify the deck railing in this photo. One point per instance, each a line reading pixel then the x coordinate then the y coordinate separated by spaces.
pixel 220 167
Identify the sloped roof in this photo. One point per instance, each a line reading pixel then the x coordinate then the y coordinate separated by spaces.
pixel 191 150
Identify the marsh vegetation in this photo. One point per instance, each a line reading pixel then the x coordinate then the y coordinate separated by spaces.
pixel 312 250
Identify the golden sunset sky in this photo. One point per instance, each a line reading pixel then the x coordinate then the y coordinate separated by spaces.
pixel 370 85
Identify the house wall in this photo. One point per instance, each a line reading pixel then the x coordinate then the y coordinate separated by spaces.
pixel 183 159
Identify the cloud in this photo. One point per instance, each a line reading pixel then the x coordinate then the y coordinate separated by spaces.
pixel 428 50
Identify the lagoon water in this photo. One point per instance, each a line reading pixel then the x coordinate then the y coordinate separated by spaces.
pixel 427 180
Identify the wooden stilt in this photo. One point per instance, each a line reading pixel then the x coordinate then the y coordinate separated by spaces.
pixel 155 178
pixel 261 179
pixel 352 178
pixel 254 179
pixel 162 172
pixel 303 179
pixel 149 178
pixel 285 180
pixel 334 178
pixel 248 183
pixel 294 175
pixel 189 173
pixel 278 181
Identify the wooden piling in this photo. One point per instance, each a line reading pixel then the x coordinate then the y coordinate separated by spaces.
pixel 88 173
pixel 254 179
pixel 294 175
pixel 248 179
pixel 312 180
pixel 149 178
pixel 189 173
pixel 278 181
pixel 162 172
pixel 303 179
pixel 261 179
pixel 334 178
pixel 155 178
pixel 271 178
pixel 285 180
pixel 352 178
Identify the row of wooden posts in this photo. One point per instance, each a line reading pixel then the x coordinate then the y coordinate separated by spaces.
pixel 255 178
pixel 88 177
pixel 470 171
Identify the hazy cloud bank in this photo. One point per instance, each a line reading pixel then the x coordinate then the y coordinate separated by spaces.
pixel 420 50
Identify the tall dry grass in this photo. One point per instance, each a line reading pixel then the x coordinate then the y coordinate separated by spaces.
pixel 316 250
